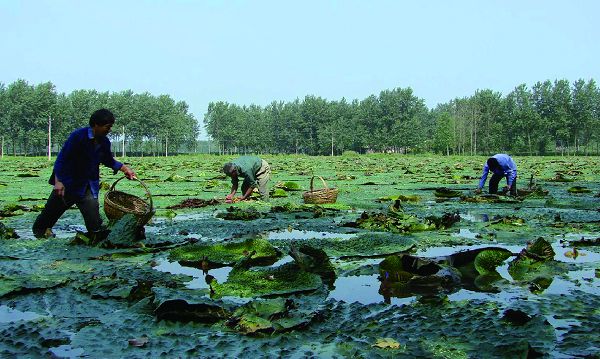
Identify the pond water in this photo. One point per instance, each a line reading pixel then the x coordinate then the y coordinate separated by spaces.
pixel 475 217
pixel 364 289
pixel 66 351
pixel 199 282
pixel 295 234
pixel 9 315
pixel 465 233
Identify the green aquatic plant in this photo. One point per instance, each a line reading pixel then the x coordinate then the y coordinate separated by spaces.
pixel 268 316
pixel 444 192
pixel 403 198
pixel 289 186
pixel 535 266
pixel 240 214
pixel 398 223
pixel 7 232
pixel 283 280
pixel 579 189
pixel 175 178
pixel 124 233
pixel 313 260
pixel 225 254
pixel 279 193
pixel 486 261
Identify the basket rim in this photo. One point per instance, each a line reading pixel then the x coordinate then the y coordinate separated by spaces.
pixel 108 201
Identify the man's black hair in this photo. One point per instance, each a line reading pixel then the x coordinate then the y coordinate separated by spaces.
pixel 228 168
pixel 493 163
pixel 102 117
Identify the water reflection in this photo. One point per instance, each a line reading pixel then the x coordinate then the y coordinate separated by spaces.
pixel 199 281
pixel 9 315
pixel 66 351
pixel 363 289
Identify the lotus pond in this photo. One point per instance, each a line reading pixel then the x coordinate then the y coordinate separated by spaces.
pixel 409 262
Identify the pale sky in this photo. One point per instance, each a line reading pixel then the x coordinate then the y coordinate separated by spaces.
pixel 254 52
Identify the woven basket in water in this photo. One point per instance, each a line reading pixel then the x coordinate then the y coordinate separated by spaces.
pixel 117 204
pixel 320 196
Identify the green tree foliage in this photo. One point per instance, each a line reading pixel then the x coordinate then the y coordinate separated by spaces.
pixel 551 117
pixel 25 110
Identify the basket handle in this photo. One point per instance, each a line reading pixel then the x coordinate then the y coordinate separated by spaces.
pixel 112 188
pixel 322 180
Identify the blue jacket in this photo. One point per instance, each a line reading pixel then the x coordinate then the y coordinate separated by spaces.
pixel 508 168
pixel 77 164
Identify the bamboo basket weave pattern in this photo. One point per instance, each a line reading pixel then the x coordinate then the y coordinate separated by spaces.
pixel 320 196
pixel 117 204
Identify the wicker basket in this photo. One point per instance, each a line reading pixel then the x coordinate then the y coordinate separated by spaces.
pixel 117 204
pixel 320 196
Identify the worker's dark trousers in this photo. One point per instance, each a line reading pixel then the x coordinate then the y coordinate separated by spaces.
pixel 56 206
pixel 494 184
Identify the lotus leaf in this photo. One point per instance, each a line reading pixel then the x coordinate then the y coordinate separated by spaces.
pixel 278 193
pixel 579 189
pixel 236 213
pixel 397 222
pixel 124 233
pixel 7 232
pixel 387 343
pixel 268 315
pixel 487 260
pixel 401 197
pixel 209 255
pixel 175 178
pixel 313 260
pixel 282 280
pixel 372 244
pixel 289 186
pixel 444 192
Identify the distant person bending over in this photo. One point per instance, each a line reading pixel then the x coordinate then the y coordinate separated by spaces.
pixel 76 175
pixel 501 165
pixel 256 173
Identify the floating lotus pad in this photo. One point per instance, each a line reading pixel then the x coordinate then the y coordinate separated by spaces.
pixel 269 315
pixel 283 280
pixel 278 193
pixel 405 275
pixel 372 244
pixel 7 232
pixel 394 221
pixel 444 192
pixel 29 283
pixel 184 305
pixel 489 198
pixel 240 214
pixel 404 198
pixel 535 266
pixel 579 189
pixel 289 186
pixel 225 254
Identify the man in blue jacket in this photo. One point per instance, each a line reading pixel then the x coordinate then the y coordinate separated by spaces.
pixel 501 165
pixel 76 175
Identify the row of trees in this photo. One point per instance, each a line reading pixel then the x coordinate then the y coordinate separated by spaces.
pixel 149 123
pixel 551 117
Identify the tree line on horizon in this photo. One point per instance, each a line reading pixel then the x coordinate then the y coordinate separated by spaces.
pixel 150 124
pixel 551 117
pixel 548 118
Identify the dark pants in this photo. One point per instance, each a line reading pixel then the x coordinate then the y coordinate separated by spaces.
pixel 494 184
pixel 56 206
